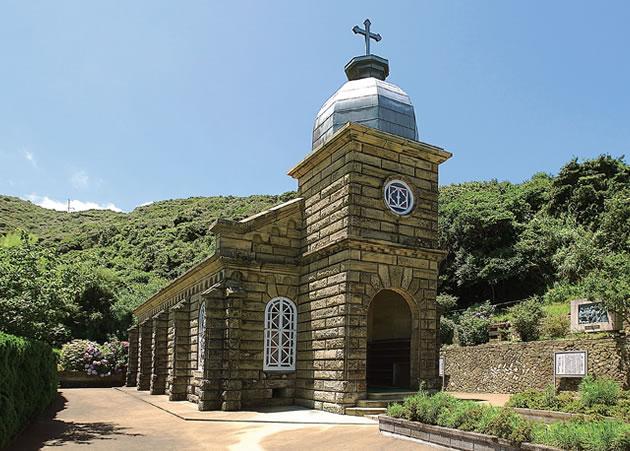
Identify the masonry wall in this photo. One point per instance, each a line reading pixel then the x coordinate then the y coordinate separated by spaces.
pixel 515 367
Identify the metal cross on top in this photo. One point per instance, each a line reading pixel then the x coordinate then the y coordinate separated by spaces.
pixel 368 35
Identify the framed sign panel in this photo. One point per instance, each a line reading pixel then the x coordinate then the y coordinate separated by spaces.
pixel 570 364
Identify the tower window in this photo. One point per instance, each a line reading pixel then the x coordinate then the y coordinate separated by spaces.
pixel 280 335
pixel 399 197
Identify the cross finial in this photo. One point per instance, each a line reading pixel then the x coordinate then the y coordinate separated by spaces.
pixel 368 35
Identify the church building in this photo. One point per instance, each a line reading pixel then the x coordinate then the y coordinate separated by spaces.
pixel 322 299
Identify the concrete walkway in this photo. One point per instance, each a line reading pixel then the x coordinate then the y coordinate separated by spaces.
pixel 113 419
pixel 494 399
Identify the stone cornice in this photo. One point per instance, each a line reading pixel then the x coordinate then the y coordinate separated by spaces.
pixel 203 268
pixel 372 245
pixel 367 135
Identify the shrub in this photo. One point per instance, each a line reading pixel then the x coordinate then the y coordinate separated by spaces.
pixel 396 411
pixel 473 325
pixel 507 424
pixel 526 318
pixel 28 385
pixel 447 330
pixel 461 416
pixel 599 391
pixel 555 326
pixel 446 302
pixel 603 435
pixel 93 359
pixel 444 410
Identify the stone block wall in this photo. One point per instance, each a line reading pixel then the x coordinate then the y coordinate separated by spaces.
pixel 145 353
pixel 514 367
pixel 159 357
pixel 355 246
pixel 132 358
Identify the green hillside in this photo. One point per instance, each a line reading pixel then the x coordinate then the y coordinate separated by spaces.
pixel 80 274
pixel 164 238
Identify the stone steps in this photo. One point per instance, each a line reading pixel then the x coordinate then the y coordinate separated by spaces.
pixel 373 403
pixel 390 396
pixel 376 404
pixel 365 411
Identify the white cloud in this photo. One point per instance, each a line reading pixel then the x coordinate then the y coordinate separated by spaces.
pixel 80 179
pixel 75 205
pixel 146 203
pixel 30 158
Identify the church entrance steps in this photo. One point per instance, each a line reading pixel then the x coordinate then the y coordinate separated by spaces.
pixel 390 395
pixel 377 402
pixel 373 403
pixel 365 411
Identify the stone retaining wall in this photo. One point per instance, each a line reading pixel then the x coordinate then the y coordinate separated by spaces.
pixel 513 367
pixel 451 438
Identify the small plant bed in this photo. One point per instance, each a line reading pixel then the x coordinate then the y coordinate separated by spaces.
pixel 448 421
pixel 83 363
pixel 598 397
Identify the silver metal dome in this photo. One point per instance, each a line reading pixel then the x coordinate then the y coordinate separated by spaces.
pixel 368 101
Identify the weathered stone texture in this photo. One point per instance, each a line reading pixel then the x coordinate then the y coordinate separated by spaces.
pixel 132 358
pixel 145 354
pixel 514 367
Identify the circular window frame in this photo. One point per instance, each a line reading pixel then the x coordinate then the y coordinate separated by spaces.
pixel 412 204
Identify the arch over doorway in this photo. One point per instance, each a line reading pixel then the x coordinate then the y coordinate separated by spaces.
pixel 389 341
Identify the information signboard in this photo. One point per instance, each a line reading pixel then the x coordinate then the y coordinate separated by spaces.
pixel 441 367
pixel 570 364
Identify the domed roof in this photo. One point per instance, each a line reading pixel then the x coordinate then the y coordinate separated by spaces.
pixel 367 100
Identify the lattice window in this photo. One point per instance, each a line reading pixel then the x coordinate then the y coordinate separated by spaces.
pixel 399 197
pixel 280 335
pixel 201 337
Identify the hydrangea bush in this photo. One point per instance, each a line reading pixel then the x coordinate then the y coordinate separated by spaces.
pixel 94 359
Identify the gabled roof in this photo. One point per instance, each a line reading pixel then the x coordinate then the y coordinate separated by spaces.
pixel 258 220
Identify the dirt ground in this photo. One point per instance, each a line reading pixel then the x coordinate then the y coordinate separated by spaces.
pixel 110 419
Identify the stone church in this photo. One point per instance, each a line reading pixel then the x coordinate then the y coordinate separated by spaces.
pixel 321 299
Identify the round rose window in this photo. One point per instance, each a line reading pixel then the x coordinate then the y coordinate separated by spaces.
pixel 399 197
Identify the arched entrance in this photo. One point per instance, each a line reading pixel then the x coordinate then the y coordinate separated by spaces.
pixel 388 362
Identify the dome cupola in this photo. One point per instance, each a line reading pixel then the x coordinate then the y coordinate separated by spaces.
pixel 367 99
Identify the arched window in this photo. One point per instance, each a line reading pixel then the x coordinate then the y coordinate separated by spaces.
pixel 201 336
pixel 280 335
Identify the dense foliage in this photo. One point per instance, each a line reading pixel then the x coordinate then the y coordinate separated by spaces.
pixel 79 275
pixel 596 396
pixel 569 233
pixel 29 382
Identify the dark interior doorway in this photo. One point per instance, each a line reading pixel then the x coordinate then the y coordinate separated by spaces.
pixel 389 341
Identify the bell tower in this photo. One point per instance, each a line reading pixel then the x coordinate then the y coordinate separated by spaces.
pixel 369 253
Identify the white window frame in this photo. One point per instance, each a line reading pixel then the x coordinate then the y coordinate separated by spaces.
pixel 411 201
pixel 201 336
pixel 280 327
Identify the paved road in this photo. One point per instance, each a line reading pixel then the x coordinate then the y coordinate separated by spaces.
pixel 107 419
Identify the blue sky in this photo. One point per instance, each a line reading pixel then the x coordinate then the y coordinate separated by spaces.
pixel 120 103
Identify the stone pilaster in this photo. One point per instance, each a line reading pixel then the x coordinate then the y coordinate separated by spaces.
pixel 210 384
pixel 178 351
pixel 132 362
pixel 159 353
pixel 145 350
pixel 232 384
